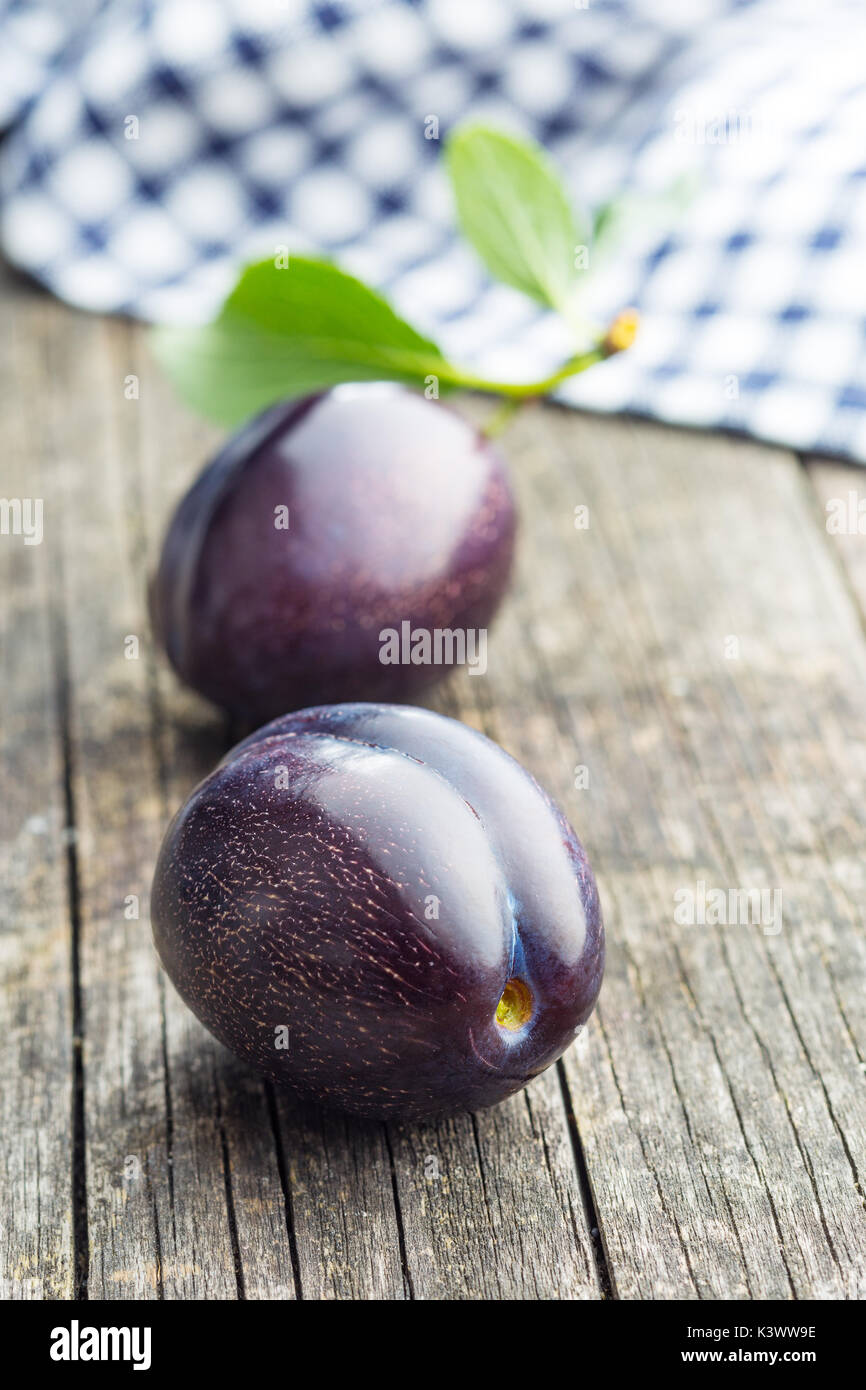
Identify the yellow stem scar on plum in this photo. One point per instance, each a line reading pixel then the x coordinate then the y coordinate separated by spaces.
pixel 515 1007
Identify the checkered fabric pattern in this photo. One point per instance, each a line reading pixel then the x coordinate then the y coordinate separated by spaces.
pixel 154 144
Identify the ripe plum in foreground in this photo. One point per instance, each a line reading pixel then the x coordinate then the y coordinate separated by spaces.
pixel 377 906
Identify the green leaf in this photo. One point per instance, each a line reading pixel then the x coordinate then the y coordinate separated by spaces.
pixel 514 210
pixel 290 331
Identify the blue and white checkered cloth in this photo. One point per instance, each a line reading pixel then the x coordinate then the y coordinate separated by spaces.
pixel 155 144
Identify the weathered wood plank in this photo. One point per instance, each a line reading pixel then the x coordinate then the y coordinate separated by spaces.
pixel 114 783
pixel 841 493
pixel 165 1217
pixel 343 1210
pixel 36 994
pixel 491 1203
pixel 721 1102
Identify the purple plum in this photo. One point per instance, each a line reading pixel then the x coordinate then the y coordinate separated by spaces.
pixel 322 526
pixel 378 907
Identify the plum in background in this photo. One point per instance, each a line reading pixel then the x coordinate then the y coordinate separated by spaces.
pixel 321 524
pixel 377 906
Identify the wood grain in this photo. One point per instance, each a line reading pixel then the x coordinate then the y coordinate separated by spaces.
pixel 36 854
pixel 686 675
pixel 721 1102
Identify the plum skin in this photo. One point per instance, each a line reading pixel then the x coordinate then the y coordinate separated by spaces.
pixel 397 510
pixel 344 900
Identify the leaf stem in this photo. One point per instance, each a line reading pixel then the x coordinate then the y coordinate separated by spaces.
pixel 620 335
pixel 520 391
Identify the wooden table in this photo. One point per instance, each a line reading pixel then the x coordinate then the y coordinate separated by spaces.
pixel 687 674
